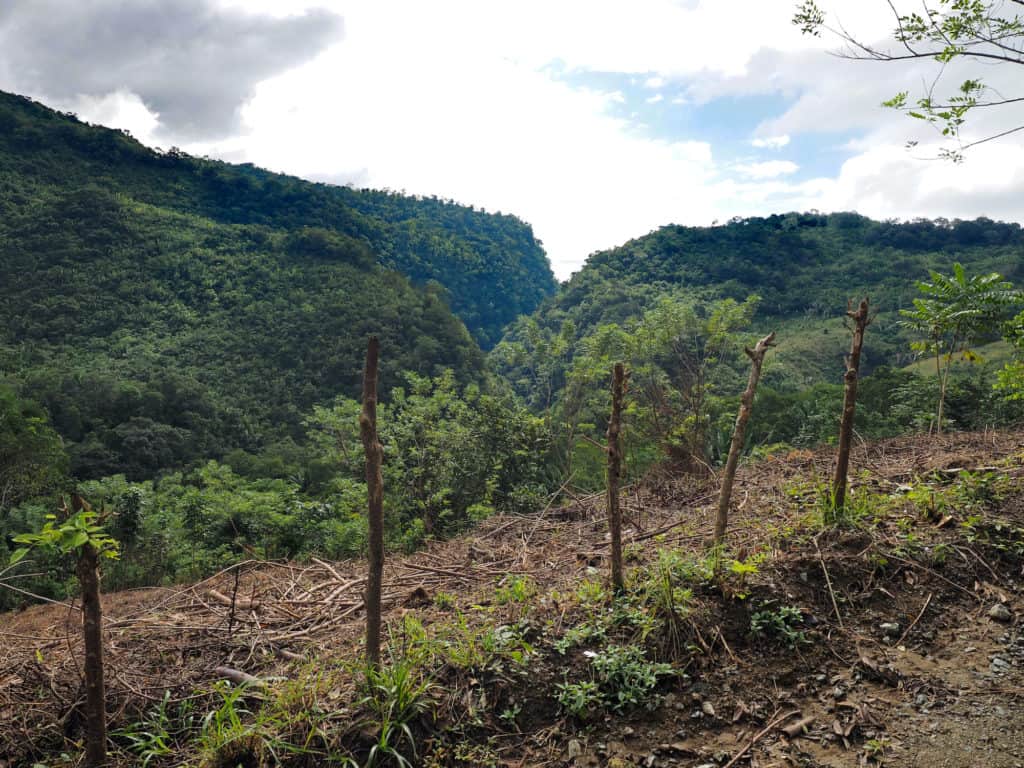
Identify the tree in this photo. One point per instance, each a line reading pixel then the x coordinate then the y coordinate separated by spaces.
pixel 955 312
pixel 32 458
pixel 614 450
pixel 1011 378
pixel 861 320
pixel 756 356
pixel 676 352
pixel 375 511
pixel 945 31
pixel 76 529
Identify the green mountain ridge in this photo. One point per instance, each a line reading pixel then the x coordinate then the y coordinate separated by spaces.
pixel 490 265
pixel 164 308
pixel 803 266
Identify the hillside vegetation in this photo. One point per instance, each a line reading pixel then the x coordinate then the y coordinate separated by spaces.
pixel 164 308
pixel 490 265
pixel 679 304
pixel 181 343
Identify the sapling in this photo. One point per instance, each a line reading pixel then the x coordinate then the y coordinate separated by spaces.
pixel 77 530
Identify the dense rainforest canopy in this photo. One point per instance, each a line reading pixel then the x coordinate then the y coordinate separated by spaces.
pixel 164 308
pixel 490 266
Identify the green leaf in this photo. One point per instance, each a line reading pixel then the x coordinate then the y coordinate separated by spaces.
pixel 18 554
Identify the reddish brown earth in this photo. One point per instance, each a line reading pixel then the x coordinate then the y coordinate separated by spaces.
pixel 944 688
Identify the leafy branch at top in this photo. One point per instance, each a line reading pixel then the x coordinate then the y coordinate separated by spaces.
pixel 979 30
pixel 74 528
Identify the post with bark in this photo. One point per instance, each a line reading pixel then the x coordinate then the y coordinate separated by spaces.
pixel 375 511
pixel 87 571
pixel 860 322
pixel 756 356
pixel 614 451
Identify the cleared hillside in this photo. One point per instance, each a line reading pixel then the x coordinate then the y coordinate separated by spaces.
pixel 893 639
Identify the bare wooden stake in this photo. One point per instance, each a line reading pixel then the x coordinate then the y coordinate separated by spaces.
pixel 375 508
pixel 860 322
pixel 756 356
pixel 614 451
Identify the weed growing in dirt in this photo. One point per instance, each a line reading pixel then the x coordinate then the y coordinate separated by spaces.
pixel 581 699
pixel 858 506
pixel 475 649
pixel 875 749
pixel 779 624
pixel 224 733
pixel 582 634
pixel 622 678
pixel 518 589
pixel 152 737
pixel 591 593
pixel 445 601
pixel 668 602
pixel 397 695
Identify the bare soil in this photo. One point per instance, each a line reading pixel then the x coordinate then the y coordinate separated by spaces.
pixel 945 687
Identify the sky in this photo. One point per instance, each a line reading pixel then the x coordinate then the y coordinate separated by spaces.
pixel 594 121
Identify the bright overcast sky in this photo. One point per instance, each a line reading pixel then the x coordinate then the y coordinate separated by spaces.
pixel 594 121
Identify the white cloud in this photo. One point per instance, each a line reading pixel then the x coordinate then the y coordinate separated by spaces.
pixel 120 109
pixel 455 98
pixel 399 108
pixel 654 99
pixel 771 142
pixel 767 170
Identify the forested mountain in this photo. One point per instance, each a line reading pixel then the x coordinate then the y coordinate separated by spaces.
pixel 803 267
pixel 163 308
pixel 799 264
pixel 679 304
pixel 491 266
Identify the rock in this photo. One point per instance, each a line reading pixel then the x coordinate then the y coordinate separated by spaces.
pixel 575 748
pixel 890 629
pixel 999 612
pixel 707 709
pixel 999 664
pixel 627 731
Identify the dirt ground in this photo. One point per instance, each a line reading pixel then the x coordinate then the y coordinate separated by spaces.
pixel 907 661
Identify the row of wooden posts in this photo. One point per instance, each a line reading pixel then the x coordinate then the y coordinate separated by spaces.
pixel 368 430
pixel 860 319
pixel 87 571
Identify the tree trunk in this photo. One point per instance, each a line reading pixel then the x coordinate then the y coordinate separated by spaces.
pixel 614 471
pixel 92 632
pixel 375 512
pixel 756 356
pixel 860 322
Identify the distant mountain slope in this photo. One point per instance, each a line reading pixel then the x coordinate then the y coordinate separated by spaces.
pixel 165 309
pixel 804 266
pixel 491 266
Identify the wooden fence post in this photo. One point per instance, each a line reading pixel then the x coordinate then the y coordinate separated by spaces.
pixel 756 356
pixel 375 507
pixel 860 322
pixel 614 451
